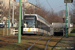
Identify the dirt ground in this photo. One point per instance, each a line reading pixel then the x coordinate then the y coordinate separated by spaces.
pixel 66 44
pixel 11 43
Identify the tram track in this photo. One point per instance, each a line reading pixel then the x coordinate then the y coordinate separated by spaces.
pixel 56 43
pixel 35 42
pixel 46 42
pixel 7 40
pixel 52 46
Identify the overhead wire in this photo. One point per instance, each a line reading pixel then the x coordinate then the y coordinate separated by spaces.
pixel 71 9
pixel 37 2
pixel 72 5
pixel 49 4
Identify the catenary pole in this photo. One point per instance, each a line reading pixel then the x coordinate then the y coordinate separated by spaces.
pixel 13 15
pixel 24 7
pixel 66 22
pixel 22 15
pixel 68 18
pixel 9 16
pixel 34 10
pixel 19 30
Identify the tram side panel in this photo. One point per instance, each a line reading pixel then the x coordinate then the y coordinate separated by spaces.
pixel 42 28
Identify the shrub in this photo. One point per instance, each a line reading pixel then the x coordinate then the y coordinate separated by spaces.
pixel 73 31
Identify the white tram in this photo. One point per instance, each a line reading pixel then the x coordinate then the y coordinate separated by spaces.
pixel 35 24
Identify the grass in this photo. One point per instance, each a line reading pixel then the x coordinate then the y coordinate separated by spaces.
pixel 71 34
pixel 15 46
pixel 73 31
pixel 26 42
pixel 10 47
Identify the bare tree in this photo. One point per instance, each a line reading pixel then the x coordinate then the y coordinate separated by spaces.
pixel 61 13
pixel 49 16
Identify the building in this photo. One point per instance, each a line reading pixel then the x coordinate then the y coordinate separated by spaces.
pixel 27 4
pixel 5 3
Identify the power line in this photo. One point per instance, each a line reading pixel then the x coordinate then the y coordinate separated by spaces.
pixel 70 7
pixel 37 2
pixel 49 4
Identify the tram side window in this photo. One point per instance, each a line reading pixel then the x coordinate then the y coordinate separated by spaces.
pixel 38 24
pixel 48 29
pixel 42 26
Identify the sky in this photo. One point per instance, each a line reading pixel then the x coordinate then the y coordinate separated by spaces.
pixel 56 5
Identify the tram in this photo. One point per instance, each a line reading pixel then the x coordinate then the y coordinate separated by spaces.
pixel 35 24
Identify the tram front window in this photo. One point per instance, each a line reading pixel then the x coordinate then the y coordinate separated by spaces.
pixel 29 22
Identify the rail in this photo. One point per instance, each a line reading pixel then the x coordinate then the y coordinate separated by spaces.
pixel 35 42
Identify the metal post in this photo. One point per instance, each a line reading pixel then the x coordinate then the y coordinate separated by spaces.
pixel 19 34
pixel 13 15
pixel 66 22
pixel 22 13
pixel 24 7
pixel 9 16
pixel 34 10
pixel 68 18
pixel 6 26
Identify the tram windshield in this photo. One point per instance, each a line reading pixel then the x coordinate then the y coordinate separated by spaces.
pixel 29 22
